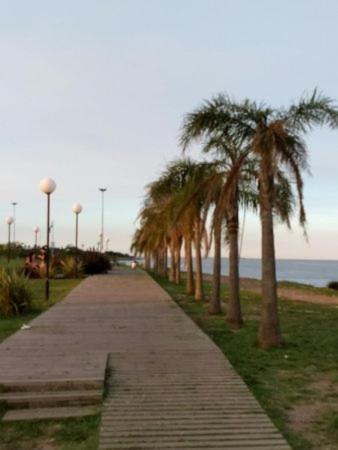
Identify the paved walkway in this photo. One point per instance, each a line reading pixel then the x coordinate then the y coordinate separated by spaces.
pixel 170 386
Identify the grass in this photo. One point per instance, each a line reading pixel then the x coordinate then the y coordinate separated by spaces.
pixel 308 287
pixel 68 434
pixel 58 290
pixel 297 384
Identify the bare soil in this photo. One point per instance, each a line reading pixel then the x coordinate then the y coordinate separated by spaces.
pixel 296 294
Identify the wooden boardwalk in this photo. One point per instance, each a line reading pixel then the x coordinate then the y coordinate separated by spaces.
pixel 170 385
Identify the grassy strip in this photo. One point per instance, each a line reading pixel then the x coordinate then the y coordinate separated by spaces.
pixel 297 384
pixel 58 290
pixel 68 434
pixel 308 287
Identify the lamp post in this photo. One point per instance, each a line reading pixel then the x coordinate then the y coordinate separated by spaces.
pixel 77 208
pixel 102 190
pixel 9 220
pixel 107 244
pixel 36 232
pixel 14 220
pixel 47 186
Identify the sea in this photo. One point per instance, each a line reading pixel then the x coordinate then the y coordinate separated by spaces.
pixel 315 272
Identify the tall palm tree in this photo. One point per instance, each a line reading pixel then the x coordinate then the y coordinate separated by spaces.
pixel 227 189
pixel 190 208
pixel 233 189
pixel 276 138
pixel 165 196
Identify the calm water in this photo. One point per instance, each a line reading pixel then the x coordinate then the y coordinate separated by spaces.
pixel 316 272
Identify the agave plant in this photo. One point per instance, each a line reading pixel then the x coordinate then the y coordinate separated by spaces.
pixel 71 267
pixel 15 293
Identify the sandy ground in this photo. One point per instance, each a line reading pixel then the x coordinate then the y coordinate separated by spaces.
pixel 297 294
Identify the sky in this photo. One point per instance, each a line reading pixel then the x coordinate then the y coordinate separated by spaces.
pixel 93 93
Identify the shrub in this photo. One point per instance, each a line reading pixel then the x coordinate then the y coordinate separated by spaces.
pixel 333 285
pixel 68 267
pixel 15 293
pixel 41 271
pixel 95 263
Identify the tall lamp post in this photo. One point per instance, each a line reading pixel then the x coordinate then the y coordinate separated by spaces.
pixel 102 190
pixel 36 232
pixel 77 208
pixel 14 220
pixel 47 186
pixel 9 220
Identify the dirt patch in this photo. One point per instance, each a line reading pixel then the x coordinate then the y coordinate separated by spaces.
pixel 309 416
pixel 296 294
pixel 302 417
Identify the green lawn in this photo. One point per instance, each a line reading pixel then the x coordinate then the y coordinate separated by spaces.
pixel 58 290
pixel 68 434
pixel 308 287
pixel 296 384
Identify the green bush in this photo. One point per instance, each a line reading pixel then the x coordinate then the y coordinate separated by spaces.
pixel 333 285
pixel 95 263
pixel 15 293
pixel 69 264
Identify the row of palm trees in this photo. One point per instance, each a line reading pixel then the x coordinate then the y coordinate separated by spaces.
pixel 255 158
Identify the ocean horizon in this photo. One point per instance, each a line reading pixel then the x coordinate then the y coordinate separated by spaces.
pixel 307 271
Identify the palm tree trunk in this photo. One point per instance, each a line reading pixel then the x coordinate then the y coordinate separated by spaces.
pixel 177 265
pixel 147 261
pixel 172 263
pixel 165 262
pixel 156 262
pixel 269 330
pixel 199 295
pixel 215 300
pixel 178 262
pixel 189 288
pixel 162 269
pixel 234 313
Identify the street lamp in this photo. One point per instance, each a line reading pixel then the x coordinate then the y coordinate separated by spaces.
pixel 103 190
pixel 9 220
pixel 107 244
pixel 77 208
pixel 14 218
pixel 36 232
pixel 47 186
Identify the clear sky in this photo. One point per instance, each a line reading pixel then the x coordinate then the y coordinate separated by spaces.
pixel 92 93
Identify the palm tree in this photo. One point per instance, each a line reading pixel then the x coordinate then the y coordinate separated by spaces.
pixel 189 209
pixel 232 190
pixel 276 138
pixel 225 192
pixel 150 238
pixel 163 210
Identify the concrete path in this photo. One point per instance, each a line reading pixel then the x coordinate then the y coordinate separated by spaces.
pixel 170 386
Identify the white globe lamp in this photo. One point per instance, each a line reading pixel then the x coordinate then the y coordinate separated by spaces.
pixel 36 232
pixel 47 185
pixel 9 220
pixel 77 208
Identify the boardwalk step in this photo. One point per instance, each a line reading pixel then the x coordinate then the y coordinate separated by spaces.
pixel 219 445
pixel 49 413
pixel 80 384
pixel 19 400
